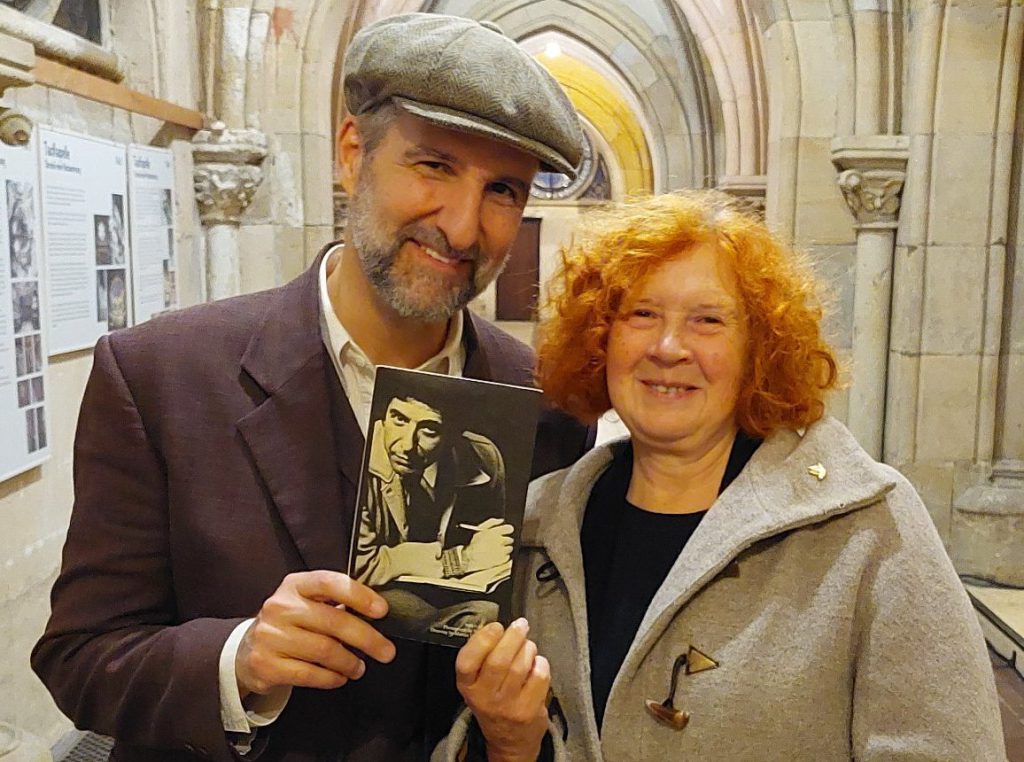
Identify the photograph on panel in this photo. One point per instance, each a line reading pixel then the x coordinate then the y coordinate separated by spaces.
pixel 24 393
pixel 101 238
pixel 117 299
pixel 118 239
pixel 167 207
pixel 30 430
pixel 440 503
pixel 170 286
pixel 25 306
pixel 101 296
pixel 20 229
pixel 27 343
pixel 36 356
pixel 21 356
pixel 37 389
pixel 40 427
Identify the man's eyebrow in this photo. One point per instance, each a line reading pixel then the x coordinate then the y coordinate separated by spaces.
pixel 420 151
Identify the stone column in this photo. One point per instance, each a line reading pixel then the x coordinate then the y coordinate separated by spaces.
pixel 17 59
pixel 871 174
pixel 227 174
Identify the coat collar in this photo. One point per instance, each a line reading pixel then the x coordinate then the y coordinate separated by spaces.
pixel 304 408
pixel 775 493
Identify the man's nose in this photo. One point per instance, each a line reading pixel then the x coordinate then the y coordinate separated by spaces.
pixel 404 442
pixel 459 217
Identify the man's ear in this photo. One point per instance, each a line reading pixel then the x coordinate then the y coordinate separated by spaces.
pixel 350 154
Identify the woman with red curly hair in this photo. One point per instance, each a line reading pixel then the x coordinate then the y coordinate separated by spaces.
pixel 737 580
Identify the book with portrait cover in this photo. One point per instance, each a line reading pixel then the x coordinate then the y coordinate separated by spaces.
pixel 440 502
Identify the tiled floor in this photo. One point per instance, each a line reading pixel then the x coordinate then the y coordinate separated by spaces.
pixel 1001 613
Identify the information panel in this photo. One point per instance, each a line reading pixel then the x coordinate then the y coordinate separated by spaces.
pixel 151 204
pixel 84 184
pixel 23 419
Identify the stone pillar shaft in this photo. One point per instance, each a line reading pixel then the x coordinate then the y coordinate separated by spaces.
pixel 872 171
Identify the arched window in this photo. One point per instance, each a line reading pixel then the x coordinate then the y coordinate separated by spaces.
pixel 591 183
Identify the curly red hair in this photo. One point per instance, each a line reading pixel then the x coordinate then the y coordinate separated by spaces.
pixel 790 367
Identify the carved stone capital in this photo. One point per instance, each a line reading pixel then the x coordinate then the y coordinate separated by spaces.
pixel 872 170
pixel 873 195
pixel 227 171
pixel 224 191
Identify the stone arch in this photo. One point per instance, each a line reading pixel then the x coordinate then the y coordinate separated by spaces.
pixel 685 137
pixel 606 101
pixel 731 41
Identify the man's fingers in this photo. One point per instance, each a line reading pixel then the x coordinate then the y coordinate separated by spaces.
pixel 493 521
pixel 352 631
pixel 500 529
pixel 326 652
pixel 472 655
pixel 337 588
pixel 303 674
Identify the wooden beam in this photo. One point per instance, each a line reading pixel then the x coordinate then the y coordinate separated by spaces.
pixel 62 77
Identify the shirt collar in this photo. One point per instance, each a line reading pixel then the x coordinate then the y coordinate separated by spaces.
pixel 449 360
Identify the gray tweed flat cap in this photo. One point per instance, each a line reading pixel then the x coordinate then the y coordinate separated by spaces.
pixel 463 75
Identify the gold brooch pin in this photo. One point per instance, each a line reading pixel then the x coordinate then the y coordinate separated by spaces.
pixel 818 471
pixel 665 711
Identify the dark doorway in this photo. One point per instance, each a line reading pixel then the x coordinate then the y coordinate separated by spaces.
pixel 518 285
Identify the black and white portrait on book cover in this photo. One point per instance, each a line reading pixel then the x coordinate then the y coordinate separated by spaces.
pixel 444 478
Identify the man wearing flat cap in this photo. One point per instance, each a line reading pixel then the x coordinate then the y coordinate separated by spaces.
pixel 201 611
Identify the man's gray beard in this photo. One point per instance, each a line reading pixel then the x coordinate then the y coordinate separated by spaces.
pixel 378 251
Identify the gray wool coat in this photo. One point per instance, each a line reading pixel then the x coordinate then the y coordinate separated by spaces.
pixel 839 626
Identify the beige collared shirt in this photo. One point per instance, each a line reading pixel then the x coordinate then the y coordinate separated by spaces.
pixel 356 373
pixel 355 369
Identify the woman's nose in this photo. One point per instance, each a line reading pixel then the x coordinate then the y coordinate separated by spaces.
pixel 671 346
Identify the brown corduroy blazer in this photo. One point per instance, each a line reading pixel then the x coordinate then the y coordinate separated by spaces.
pixel 215 454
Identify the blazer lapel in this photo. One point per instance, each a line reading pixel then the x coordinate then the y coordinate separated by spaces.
pixel 293 433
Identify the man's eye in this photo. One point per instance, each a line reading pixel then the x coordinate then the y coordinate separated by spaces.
pixel 506 191
pixel 434 166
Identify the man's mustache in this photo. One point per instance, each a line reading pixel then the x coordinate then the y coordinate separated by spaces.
pixel 433 238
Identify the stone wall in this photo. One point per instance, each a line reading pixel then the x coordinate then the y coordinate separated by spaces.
pixel 35 506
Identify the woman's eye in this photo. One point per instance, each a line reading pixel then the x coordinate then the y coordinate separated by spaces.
pixel 641 316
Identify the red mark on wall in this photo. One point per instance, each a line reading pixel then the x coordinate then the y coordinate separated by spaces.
pixel 282 22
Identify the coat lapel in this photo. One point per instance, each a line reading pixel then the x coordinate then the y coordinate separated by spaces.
pixel 559 534
pixel 774 494
pixel 296 435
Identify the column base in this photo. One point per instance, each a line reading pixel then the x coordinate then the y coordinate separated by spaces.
pixel 987 534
